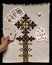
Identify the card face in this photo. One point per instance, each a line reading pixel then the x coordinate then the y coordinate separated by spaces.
pixel 19 11
pixel 14 15
pixel 9 32
pixel 40 34
pixel 11 18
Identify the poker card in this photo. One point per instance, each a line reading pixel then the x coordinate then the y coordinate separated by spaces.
pixel 11 18
pixel 20 11
pixel 14 15
pixel 40 34
pixel 9 32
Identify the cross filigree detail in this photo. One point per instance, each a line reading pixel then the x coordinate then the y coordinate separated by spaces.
pixel 26 25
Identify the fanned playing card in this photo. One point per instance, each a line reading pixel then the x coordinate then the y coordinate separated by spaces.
pixel 14 15
pixel 40 34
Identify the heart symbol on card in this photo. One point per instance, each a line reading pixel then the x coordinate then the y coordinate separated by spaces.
pixel 40 34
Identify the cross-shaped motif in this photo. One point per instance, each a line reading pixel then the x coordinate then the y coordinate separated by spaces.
pixel 25 24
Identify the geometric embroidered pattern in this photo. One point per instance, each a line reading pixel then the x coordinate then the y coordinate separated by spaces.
pixel 25 25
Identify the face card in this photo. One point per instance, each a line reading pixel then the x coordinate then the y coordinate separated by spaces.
pixel 20 11
pixel 11 18
pixel 9 32
pixel 40 34
pixel 14 15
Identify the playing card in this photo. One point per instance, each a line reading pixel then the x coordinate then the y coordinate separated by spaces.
pixel 14 15
pixel 9 32
pixel 11 18
pixel 40 34
pixel 20 11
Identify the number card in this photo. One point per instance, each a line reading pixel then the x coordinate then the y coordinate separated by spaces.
pixel 40 34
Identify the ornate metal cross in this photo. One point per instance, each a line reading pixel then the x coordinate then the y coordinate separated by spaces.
pixel 26 25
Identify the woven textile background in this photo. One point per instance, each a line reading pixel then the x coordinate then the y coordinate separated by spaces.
pixel 40 50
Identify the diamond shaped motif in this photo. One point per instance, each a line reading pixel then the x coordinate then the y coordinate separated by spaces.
pixel 26 24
